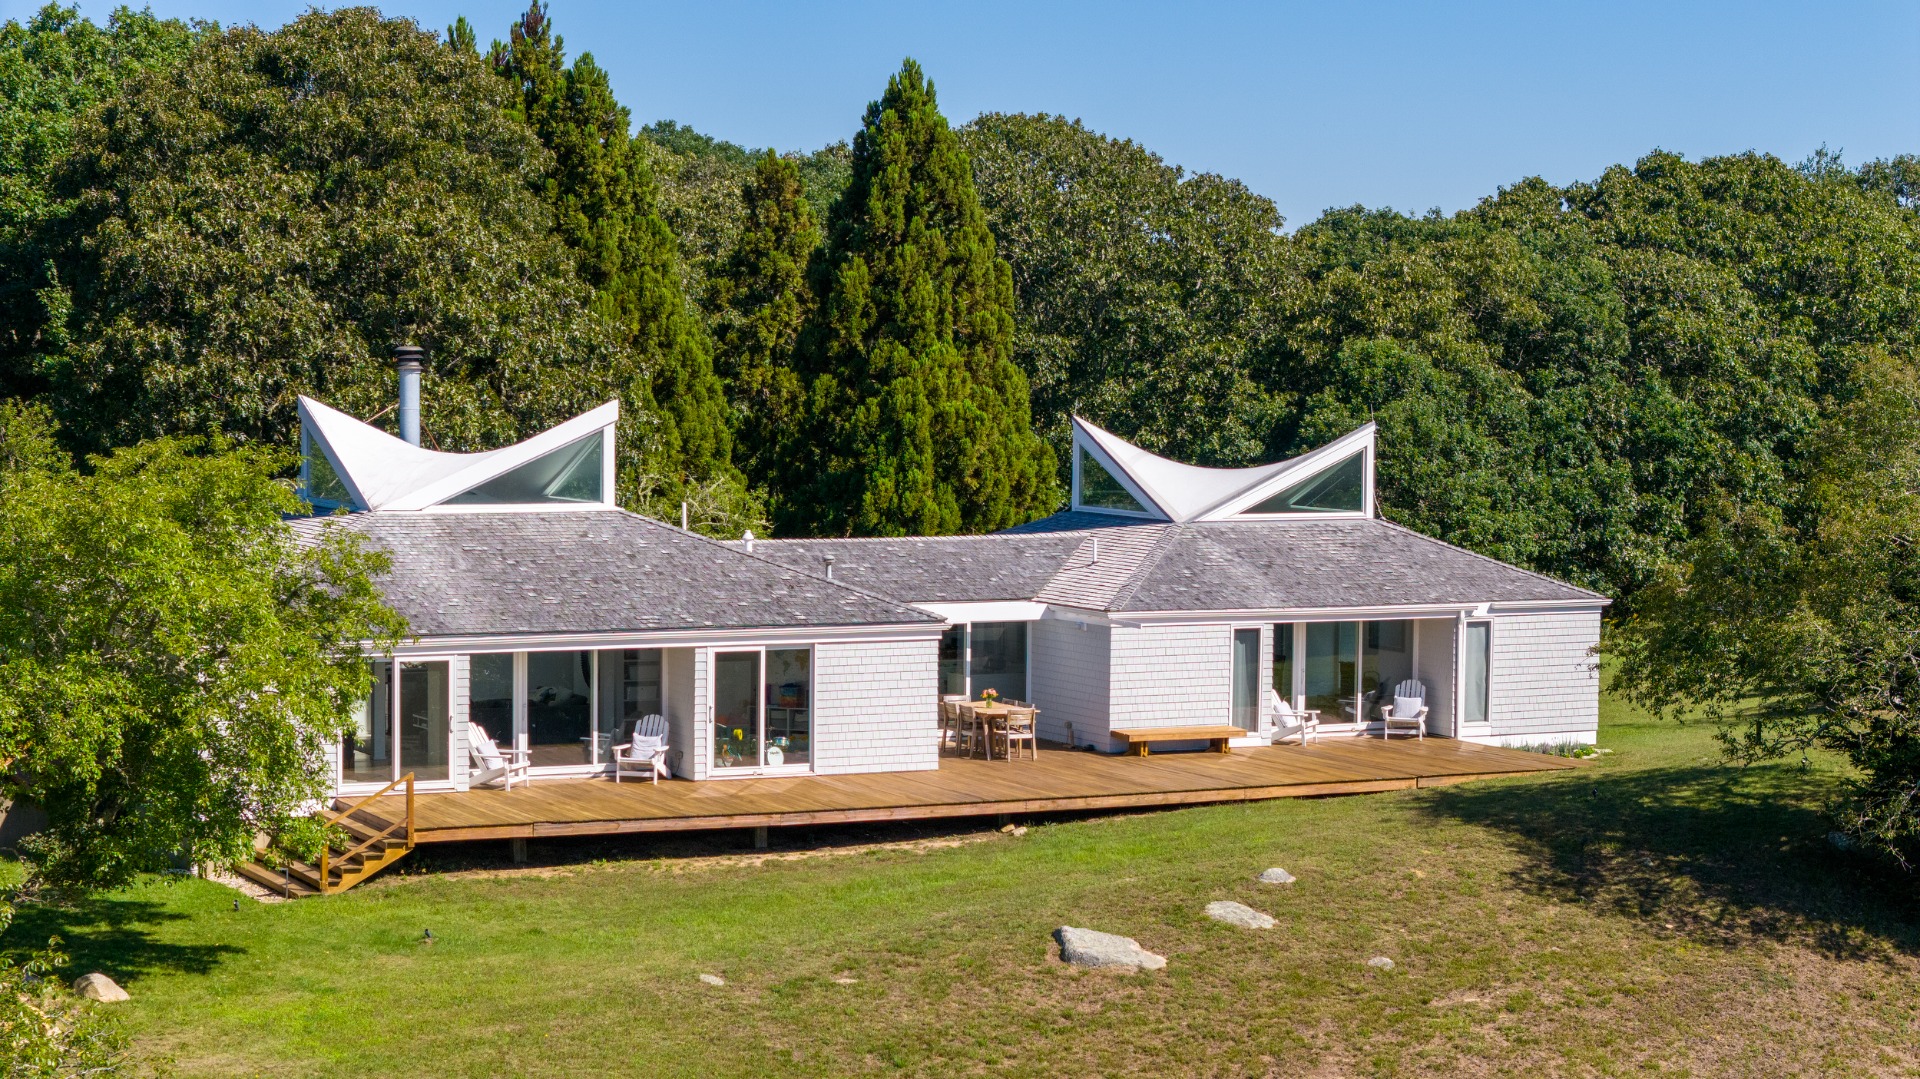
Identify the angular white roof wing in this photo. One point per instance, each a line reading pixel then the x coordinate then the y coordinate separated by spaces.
pixel 1191 493
pixel 387 473
pixel 1296 469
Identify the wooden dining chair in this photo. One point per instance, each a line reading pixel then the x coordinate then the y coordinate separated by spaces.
pixel 950 719
pixel 1018 726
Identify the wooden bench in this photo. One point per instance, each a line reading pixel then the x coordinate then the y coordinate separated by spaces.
pixel 1139 739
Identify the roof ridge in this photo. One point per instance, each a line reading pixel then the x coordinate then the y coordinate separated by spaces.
pixel 1147 561
pixel 1489 558
pixel 728 545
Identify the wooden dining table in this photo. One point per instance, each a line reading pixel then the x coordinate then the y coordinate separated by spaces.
pixel 984 714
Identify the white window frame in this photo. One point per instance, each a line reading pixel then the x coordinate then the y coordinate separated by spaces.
pixel 716 771
pixel 456 768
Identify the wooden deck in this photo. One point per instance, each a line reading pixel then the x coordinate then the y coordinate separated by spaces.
pixel 1059 780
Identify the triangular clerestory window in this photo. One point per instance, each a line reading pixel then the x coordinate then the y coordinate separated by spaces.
pixel 324 485
pixel 571 473
pixel 1339 489
pixel 1099 490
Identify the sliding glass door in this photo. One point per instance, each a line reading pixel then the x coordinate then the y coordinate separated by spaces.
pixel 762 709
pixel 1246 679
pixel 567 709
pixel 1345 668
pixel 1331 667
pixel 403 725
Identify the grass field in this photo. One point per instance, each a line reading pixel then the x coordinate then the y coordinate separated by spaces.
pixel 1655 913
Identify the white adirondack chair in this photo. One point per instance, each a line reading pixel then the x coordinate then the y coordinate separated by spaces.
pixel 1290 722
pixel 646 755
pixel 1407 712
pixel 493 764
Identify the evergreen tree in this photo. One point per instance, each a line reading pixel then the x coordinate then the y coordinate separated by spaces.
pixel 918 420
pixel 602 196
pixel 760 301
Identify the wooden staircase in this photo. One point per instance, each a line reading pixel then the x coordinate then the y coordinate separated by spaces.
pixel 361 851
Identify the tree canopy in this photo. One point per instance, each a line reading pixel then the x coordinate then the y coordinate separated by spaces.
pixel 918 419
pixel 601 193
pixel 174 668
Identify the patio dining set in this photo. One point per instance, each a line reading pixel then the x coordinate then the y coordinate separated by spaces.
pixel 979 727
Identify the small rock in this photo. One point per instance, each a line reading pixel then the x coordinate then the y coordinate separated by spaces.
pixel 1276 875
pixel 1380 962
pixel 1091 948
pixel 98 986
pixel 846 981
pixel 1226 910
pixel 713 979
pixel 1840 841
pixel 1020 830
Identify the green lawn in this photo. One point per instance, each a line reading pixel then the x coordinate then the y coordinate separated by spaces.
pixel 1657 912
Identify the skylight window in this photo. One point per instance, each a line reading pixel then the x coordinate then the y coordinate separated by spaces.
pixel 1339 489
pixel 1099 490
pixel 571 473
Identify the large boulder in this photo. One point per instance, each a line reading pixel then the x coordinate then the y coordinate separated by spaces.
pixel 1092 948
pixel 1226 910
pixel 98 986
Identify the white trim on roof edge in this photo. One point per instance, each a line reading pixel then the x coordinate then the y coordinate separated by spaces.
pixel 386 473
pixel 1182 492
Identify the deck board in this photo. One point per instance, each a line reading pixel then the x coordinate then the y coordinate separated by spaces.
pixel 1059 780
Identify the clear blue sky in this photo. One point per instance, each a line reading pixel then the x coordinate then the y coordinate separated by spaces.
pixel 1408 105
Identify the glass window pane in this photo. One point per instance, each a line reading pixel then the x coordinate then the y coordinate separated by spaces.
pixel 571 473
pixel 1388 657
pixel 1332 651
pixel 323 483
pixel 953 661
pixel 1339 489
pixel 1098 487
pixel 736 714
pixel 490 696
pixel 1479 675
pixel 789 706
pixel 423 719
pixel 366 754
pixel 559 708
pixel 1283 660
pixel 1246 679
pixel 630 687
pixel 1000 659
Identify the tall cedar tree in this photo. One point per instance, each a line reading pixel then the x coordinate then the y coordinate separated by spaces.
pixel 602 196
pixel 760 302
pixel 918 419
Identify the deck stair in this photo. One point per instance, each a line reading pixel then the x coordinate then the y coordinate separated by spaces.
pixel 358 851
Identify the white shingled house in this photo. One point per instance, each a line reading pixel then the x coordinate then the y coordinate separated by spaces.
pixel 1166 595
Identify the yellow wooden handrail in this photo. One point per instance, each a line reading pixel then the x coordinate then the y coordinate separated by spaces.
pixel 326 886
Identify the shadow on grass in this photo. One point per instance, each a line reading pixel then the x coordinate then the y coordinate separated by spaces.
pixel 1715 853
pixel 1721 855
pixel 111 935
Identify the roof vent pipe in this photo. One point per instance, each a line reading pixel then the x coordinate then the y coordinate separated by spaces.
pixel 1096 548
pixel 829 561
pixel 746 539
pixel 409 359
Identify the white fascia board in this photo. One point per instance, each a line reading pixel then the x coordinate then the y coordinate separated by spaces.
pixel 469 644
pixel 1545 606
pixel 1093 440
pixel 490 465
pixel 1297 469
pixel 1300 614
pixel 1002 610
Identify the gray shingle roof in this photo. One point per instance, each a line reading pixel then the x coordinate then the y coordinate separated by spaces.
pixel 592 571
pixel 1199 566
pixel 1231 565
pixel 935 569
